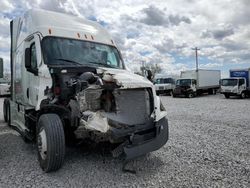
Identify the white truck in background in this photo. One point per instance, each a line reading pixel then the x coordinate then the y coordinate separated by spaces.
pixel 196 82
pixel 237 84
pixel 164 85
pixel 69 83
pixel 4 89
pixel 4 83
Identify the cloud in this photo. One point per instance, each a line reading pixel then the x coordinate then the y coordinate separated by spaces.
pixel 165 46
pixel 218 33
pixel 6 6
pixel 156 17
pixel 176 19
pixel 157 31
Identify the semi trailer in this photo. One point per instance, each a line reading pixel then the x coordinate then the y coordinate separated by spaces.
pixel 197 82
pixel 237 84
pixel 69 83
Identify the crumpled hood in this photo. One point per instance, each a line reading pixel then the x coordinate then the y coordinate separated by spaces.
pixel 124 78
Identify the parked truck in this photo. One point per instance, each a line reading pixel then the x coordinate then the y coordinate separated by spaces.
pixel 69 82
pixel 4 83
pixel 237 84
pixel 164 85
pixel 196 82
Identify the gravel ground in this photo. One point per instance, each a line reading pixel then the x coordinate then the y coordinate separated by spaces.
pixel 209 146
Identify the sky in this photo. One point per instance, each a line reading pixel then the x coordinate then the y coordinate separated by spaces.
pixel 161 32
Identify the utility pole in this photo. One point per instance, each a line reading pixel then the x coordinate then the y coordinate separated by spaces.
pixel 143 68
pixel 196 57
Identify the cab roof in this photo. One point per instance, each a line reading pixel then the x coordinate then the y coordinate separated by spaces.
pixel 50 23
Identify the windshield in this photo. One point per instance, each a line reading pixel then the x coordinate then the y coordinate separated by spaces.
pixel 229 82
pixel 183 82
pixel 63 51
pixel 163 81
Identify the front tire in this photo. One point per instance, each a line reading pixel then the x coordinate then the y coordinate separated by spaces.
pixel 227 96
pixel 191 95
pixel 6 111
pixel 171 93
pixel 243 95
pixel 50 142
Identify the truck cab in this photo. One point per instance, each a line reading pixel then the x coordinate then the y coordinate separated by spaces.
pixel 69 83
pixel 164 85
pixel 235 86
pixel 186 87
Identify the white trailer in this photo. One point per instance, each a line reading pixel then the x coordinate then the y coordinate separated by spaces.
pixel 69 82
pixel 192 82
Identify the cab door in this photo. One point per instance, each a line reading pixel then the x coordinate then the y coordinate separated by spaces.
pixel 32 61
pixel 242 85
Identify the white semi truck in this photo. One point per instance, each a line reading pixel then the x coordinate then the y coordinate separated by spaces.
pixel 69 82
pixel 237 84
pixel 196 82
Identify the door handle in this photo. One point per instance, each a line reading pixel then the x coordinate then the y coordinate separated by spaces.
pixel 28 93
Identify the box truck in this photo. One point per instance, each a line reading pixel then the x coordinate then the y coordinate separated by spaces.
pixel 69 82
pixel 196 82
pixel 164 85
pixel 237 84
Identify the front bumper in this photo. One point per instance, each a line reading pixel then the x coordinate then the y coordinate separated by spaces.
pixel 139 144
pixel 163 91
pixel 135 140
pixel 182 92
pixel 229 93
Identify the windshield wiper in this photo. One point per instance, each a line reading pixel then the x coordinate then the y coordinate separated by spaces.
pixel 69 61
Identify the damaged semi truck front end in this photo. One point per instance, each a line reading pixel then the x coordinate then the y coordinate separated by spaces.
pixel 124 113
pixel 69 82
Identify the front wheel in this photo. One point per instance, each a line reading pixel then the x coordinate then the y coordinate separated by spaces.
pixel 243 95
pixel 6 111
pixel 50 142
pixel 191 95
pixel 226 96
pixel 171 93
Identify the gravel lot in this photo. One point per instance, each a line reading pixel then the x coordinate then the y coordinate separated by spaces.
pixel 209 146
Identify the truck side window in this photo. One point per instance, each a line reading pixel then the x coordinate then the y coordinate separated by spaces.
pixel 112 59
pixel 33 56
pixel 241 82
pixel 194 82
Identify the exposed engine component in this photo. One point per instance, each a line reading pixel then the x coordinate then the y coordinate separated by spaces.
pixel 89 99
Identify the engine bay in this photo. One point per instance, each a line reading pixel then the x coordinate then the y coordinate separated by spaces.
pixel 98 102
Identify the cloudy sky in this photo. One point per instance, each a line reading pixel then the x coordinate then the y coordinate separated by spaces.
pixel 160 31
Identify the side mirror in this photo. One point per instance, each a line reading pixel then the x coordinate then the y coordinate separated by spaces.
pixel 27 58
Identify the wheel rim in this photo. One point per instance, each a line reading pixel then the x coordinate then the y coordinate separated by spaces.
pixel 42 144
pixel 243 95
pixel 190 95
